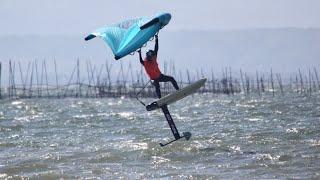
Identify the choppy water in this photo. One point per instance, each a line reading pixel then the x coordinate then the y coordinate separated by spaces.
pixel 233 138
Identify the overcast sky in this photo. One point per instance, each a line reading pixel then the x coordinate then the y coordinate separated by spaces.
pixel 82 16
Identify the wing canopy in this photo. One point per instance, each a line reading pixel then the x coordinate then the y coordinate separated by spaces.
pixel 126 37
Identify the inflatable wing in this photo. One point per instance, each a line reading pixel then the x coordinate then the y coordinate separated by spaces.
pixel 128 36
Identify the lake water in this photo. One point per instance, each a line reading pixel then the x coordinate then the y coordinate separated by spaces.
pixel 233 137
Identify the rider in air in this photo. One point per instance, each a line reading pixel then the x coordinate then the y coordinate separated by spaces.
pixel 152 69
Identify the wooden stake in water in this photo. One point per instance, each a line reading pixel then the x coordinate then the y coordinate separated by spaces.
pixel 272 84
pixel 0 80
pixel 55 70
pixel 316 74
pixel 301 81
pixel 258 83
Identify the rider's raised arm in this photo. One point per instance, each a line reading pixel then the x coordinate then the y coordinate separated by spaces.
pixel 156 46
pixel 140 57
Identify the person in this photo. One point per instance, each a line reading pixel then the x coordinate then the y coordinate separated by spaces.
pixel 152 69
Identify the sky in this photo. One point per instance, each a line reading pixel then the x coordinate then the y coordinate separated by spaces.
pixel 221 44
pixel 45 17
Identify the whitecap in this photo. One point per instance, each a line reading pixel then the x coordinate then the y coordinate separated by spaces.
pixel 3 176
pixel 16 102
pixel 159 160
pixel 292 130
pixel 314 142
pixel 254 119
pixel 268 157
pixel 126 114
pixel 235 148
pixel 130 145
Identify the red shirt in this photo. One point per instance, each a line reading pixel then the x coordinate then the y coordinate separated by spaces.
pixel 152 68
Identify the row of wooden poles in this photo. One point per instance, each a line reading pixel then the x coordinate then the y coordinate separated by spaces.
pixel 34 82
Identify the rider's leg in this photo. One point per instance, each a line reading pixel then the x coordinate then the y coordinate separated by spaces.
pixel 165 78
pixel 157 86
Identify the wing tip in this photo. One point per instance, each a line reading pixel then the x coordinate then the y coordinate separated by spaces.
pixel 91 36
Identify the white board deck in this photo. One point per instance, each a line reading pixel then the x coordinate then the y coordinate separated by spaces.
pixel 175 96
